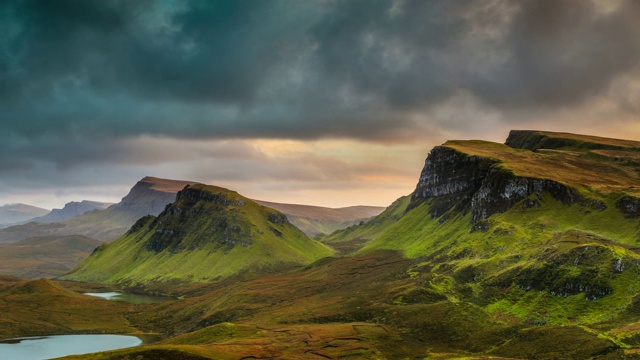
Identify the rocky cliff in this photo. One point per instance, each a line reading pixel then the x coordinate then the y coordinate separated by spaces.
pixel 486 178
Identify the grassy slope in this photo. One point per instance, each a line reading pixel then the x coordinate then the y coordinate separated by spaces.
pixel 356 236
pixel 204 254
pixel 533 266
pixel 375 305
pixel 47 256
pixel 526 241
pixel 42 307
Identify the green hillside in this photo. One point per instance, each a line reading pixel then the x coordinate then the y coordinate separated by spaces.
pixel 209 233
pixel 552 233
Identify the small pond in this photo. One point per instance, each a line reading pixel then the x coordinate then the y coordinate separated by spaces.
pixel 132 298
pixel 48 347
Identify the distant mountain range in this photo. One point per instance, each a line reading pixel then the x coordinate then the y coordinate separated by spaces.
pixel 106 222
pixel 16 213
pixel 148 197
pixel 50 245
pixel 71 209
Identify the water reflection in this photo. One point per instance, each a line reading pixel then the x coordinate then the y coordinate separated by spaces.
pixel 132 298
pixel 48 347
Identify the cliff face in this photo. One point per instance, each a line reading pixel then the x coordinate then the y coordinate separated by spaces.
pixel 453 179
pixel 149 196
pixel 486 178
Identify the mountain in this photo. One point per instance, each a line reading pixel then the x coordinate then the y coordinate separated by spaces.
pixel 317 220
pixel 16 213
pixel 148 197
pixel 543 228
pixel 522 250
pixel 46 256
pixel 207 234
pixel 71 209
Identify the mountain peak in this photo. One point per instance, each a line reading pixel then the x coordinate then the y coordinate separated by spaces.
pixel 164 185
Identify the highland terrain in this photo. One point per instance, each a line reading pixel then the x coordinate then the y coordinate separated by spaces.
pixel 522 250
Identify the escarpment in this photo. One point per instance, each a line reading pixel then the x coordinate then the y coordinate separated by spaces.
pixel 451 178
pixel 484 178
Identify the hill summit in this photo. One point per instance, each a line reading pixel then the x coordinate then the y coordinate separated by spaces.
pixel 207 234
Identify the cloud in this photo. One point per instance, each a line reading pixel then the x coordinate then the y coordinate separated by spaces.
pixel 120 87
pixel 301 70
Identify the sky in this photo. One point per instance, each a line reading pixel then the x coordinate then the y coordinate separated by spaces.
pixel 325 102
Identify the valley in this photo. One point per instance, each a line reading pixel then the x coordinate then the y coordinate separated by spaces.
pixel 522 250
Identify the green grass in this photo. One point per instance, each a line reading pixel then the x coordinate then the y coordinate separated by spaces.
pixel 43 307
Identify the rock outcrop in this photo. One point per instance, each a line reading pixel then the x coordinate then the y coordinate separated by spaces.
pixel 183 217
pixel 486 178
pixel 629 205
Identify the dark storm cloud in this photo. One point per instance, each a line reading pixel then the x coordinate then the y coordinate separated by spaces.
pixel 563 52
pixel 73 71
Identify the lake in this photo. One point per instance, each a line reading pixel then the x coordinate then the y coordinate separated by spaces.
pixel 132 298
pixel 47 347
